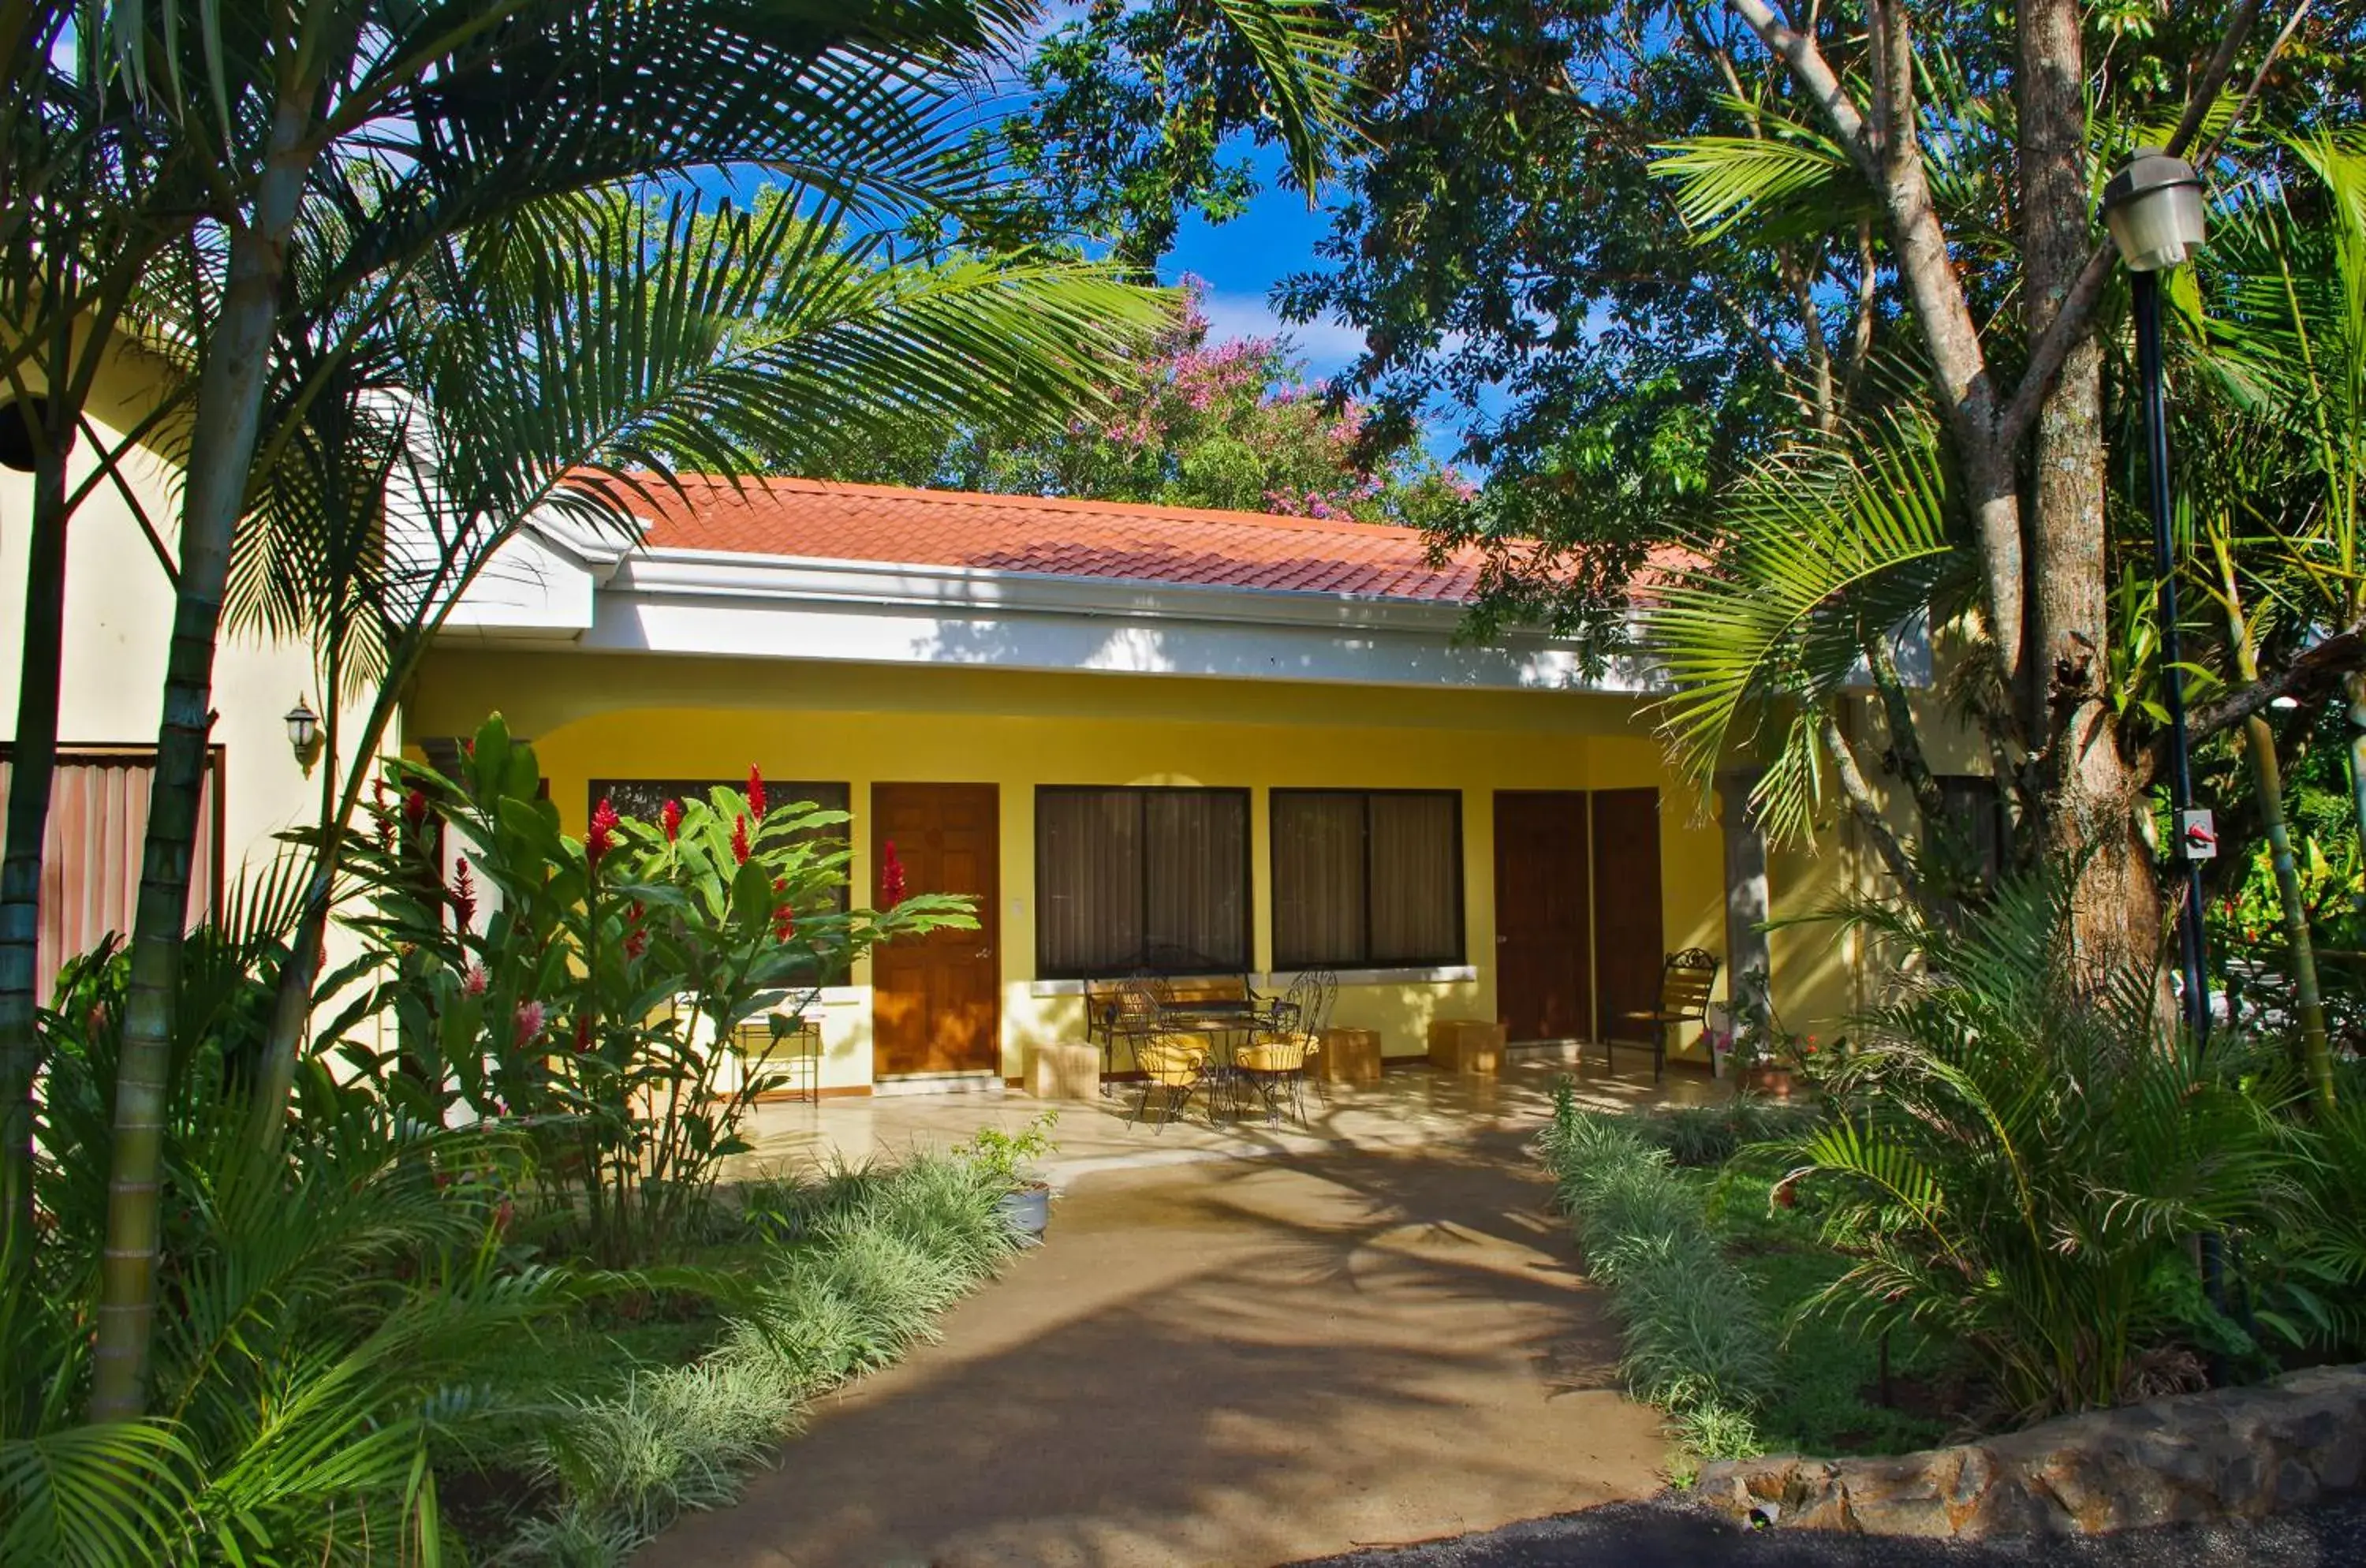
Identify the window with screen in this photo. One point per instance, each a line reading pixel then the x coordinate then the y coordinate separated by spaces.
pixel 643 800
pixel 1367 878
pixel 1132 879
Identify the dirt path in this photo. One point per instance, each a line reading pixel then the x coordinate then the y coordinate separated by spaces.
pixel 1224 1364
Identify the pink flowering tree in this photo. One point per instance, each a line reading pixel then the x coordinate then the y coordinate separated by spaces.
pixel 585 990
pixel 1232 423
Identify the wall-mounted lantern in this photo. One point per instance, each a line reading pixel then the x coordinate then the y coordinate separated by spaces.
pixel 304 735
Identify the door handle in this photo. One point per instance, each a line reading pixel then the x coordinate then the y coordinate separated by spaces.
pixel 1501 939
pixel 986 952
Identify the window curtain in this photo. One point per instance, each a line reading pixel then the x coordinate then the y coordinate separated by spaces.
pixel 1318 879
pixel 1416 875
pixel 1088 880
pixel 91 854
pixel 1196 872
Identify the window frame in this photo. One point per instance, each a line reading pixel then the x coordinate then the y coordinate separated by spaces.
pixel 1459 958
pixel 1044 970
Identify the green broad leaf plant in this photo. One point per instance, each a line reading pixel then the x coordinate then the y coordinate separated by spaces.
pixel 588 991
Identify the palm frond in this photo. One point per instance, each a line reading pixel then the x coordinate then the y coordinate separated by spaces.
pixel 1303 51
pixel 108 1496
pixel 1794 182
pixel 1823 547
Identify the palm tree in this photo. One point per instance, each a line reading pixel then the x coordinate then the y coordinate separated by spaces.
pixel 1823 554
pixel 2278 325
pixel 78 234
pixel 346 143
pixel 572 375
pixel 346 140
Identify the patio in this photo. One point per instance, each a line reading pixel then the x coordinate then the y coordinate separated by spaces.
pixel 1411 1107
pixel 1237 1346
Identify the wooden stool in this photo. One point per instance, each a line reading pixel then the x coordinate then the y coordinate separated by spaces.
pixel 1064 1069
pixel 1465 1045
pixel 1349 1056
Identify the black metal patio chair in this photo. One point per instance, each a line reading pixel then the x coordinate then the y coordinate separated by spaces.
pixel 1174 1065
pixel 1274 1061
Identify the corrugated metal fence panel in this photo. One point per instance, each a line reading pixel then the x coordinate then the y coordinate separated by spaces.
pixel 90 862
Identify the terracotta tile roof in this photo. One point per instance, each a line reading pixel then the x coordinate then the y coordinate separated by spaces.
pixel 1115 540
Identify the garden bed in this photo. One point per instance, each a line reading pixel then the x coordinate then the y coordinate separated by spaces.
pixel 1708 1266
pixel 678 1389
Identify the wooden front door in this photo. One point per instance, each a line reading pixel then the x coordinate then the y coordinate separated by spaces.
pixel 1628 944
pixel 936 1001
pixel 1544 968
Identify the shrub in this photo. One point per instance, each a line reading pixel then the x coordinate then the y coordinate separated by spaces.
pixel 592 1003
pixel 2020 1159
pixel 868 1258
pixel 1696 1340
pixel 1712 1134
pixel 333 1317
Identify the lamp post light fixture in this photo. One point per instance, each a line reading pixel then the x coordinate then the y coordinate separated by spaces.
pixel 2153 208
pixel 304 735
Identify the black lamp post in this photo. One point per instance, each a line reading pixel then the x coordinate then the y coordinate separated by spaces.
pixel 2153 208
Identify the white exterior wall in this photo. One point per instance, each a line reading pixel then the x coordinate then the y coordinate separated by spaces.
pixel 119 621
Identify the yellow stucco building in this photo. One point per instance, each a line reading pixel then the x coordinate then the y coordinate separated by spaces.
pixel 1141 737
pixel 1144 736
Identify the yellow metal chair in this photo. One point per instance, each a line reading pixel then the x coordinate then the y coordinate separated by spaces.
pixel 1685 981
pixel 1273 1060
pixel 1174 1066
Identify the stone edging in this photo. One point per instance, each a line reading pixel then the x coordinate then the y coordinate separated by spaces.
pixel 2236 1453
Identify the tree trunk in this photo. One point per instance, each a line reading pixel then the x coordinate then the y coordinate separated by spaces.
pixel 2316 1057
pixel 228 417
pixel 2091 794
pixel 31 770
pixel 2267 772
pixel 2353 687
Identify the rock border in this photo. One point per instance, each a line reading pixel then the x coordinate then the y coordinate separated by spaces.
pixel 2228 1453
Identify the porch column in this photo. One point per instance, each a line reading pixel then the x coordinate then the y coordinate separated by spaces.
pixel 1747 949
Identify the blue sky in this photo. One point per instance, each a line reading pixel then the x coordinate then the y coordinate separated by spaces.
pixel 1243 259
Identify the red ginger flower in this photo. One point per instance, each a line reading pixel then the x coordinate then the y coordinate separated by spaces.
pixel 785 919
pixel 474 981
pixel 756 792
pixel 528 1022
pixel 602 837
pixel 583 1035
pixel 414 807
pixel 739 838
pixel 671 817
pixel 891 876
pixel 636 935
pixel 464 894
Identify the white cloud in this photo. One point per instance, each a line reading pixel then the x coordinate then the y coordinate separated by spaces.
pixel 1327 345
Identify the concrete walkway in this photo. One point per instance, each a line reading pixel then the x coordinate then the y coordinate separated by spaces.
pixel 1227 1361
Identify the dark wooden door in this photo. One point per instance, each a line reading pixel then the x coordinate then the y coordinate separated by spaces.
pixel 936 1001
pixel 1544 972
pixel 1628 944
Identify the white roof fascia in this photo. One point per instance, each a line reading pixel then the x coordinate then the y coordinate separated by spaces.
pixel 714 573
pixel 720 603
